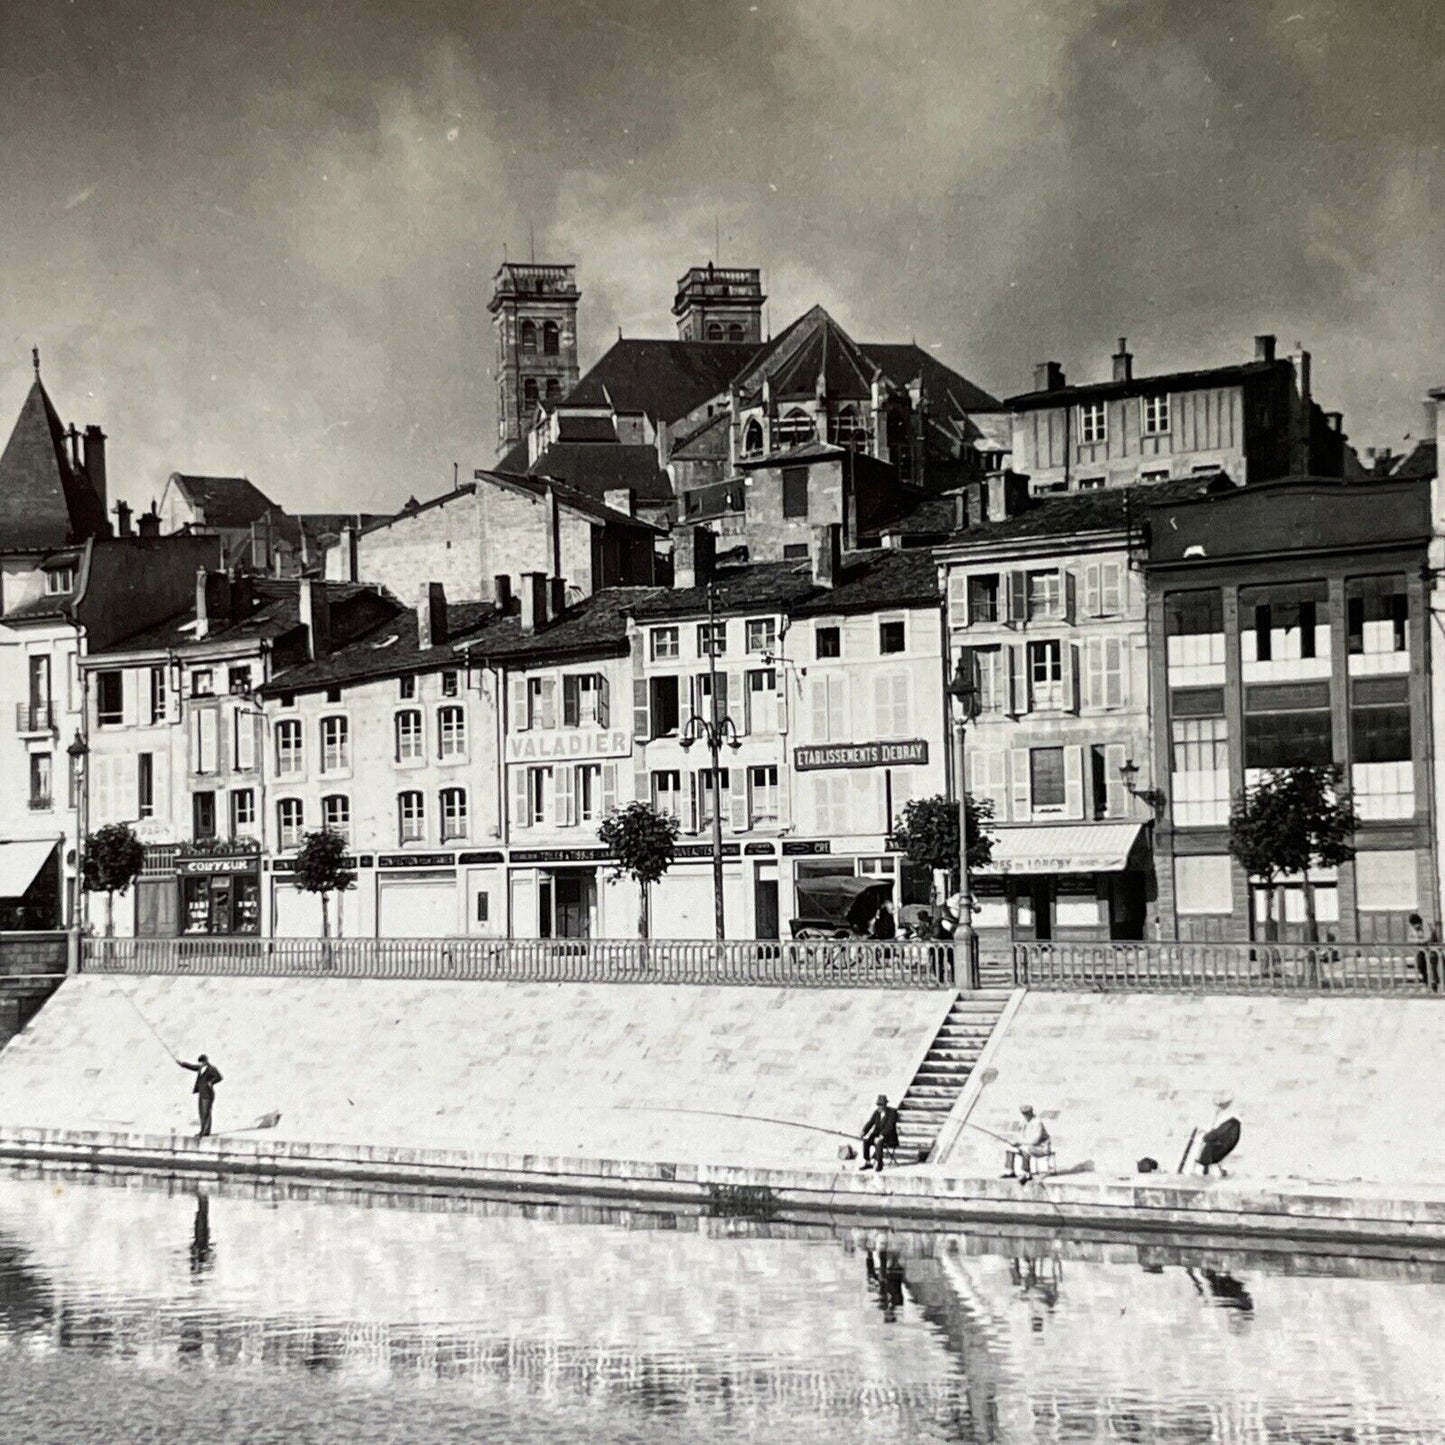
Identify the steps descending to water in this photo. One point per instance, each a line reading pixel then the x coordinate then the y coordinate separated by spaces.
pixel 944 1071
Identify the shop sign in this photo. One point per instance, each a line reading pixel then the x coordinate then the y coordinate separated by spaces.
pixel 242 863
pixel 759 850
pixel 288 865
pixel 704 850
pixel 480 858
pixel 862 755
pixel 538 747
pixel 559 855
pixel 416 860
pixel 798 848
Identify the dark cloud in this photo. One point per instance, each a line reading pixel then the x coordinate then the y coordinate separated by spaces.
pixel 259 237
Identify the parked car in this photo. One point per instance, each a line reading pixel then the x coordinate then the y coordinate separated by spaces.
pixel 840 908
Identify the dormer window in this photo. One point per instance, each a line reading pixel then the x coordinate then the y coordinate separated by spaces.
pixel 59 580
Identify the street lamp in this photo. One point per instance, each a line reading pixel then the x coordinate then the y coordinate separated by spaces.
pixel 717 730
pixel 78 752
pixel 963 689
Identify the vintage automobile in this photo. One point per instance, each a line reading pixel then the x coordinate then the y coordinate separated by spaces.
pixel 839 908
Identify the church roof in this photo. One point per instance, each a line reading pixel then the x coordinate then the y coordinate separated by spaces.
pixel 595 468
pixel 906 362
pixel 44 500
pixel 661 379
pixel 225 501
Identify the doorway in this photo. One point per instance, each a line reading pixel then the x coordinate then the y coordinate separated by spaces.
pixel 765 901
pixel 566 904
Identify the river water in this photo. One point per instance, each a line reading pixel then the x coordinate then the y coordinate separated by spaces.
pixel 141 1309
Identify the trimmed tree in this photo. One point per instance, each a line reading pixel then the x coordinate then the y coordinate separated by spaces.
pixel 642 841
pixel 926 833
pixel 1293 820
pixel 114 857
pixel 321 868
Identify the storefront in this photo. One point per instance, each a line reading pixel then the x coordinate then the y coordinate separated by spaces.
pixel 296 913
pixel 30 887
pixel 560 893
pixel 219 894
pixel 815 859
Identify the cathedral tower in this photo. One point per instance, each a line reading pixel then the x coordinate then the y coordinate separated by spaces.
pixel 716 303
pixel 534 311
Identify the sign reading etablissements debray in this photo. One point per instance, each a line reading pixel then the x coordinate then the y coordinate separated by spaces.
pixel 908 753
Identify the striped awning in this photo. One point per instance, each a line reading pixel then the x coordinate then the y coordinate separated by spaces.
pixel 1064 848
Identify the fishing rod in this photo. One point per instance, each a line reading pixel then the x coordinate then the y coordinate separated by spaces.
pixel 723 1114
pixel 149 1026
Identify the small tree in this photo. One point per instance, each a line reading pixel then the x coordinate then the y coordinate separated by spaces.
pixel 321 868
pixel 1293 820
pixel 114 857
pixel 926 832
pixel 642 841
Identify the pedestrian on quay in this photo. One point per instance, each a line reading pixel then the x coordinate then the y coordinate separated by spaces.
pixel 1427 959
pixel 207 1077
pixel 883 923
pixel 880 1133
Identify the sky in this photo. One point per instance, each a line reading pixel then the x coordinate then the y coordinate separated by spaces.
pixel 258 238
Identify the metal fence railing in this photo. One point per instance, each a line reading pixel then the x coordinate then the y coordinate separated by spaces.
pixel 1373 968
pixel 813 963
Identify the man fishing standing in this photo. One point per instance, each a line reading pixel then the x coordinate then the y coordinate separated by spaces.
pixel 207 1077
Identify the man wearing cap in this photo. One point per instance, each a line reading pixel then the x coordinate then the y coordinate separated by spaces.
pixel 880 1133
pixel 1032 1143
pixel 207 1077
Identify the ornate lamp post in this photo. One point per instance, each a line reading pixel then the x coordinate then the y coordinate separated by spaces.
pixel 963 689
pixel 78 752
pixel 716 730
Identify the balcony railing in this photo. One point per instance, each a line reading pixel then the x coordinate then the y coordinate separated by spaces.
pixel 1373 968
pixel 811 964
pixel 35 717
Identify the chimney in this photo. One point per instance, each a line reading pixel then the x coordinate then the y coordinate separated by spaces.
pixel 148 524
pixel 960 510
pixel 1048 376
pixel 346 545
pixel 1007 495
pixel 977 493
pixel 1123 361
pixel 502 592
pixel 1335 420
pixel 621 499
pixel 431 616
pixel 314 608
pixel 556 597
pixel 827 554
pixel 95 462
pixel 243 593
pixel 122 519
pixel 534 601
pixel 203 619
pixel 1264 348
pixel 73 437
pixel 694 556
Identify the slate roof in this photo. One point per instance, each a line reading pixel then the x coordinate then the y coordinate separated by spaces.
pixel 591 469
pixel 929 519
pixel 225 501
pixel 574 428
pixel 904 362
pixel 1144 385
pixel 44 501
pixel 708 441
pixel 661 379
pixel 1421 461
pixel 809 451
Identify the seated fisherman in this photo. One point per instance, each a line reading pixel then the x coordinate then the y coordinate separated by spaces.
pixel 1031 1143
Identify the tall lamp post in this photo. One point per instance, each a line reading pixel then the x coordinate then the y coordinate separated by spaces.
pixel 78 752
pixel 963 689
pixel 717 730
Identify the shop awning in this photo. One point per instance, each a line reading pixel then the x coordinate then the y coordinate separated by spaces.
pixel 20 862
pixel 1064 848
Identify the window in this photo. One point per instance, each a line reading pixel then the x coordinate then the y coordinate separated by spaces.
pixel 795 492
pixel 762 700
pixel 288 747
pixel 584 700
pixel 1284 622
pixel 203 682
pixel 289 823
pixel 1203 884
pixel 1191 614
pixel 795 551
pixel 541 702
pixel 529 338
pixel 762 795
pixel 243 813
pixel 992 678
pixel 735 331
pixel 1200 744
pixel 983 598
pixel 753 438
pixel 238 681
pixel 1104 677
pixel 529 392
pixel 451 732
pixel 537 796
pixel 707 799
pixel 335 744
pixel 663 708
pixel 847 428
pixel 1046 778
pixel 1377 611
pixel 1287 726
pixel 40 780
pixel 454 813
pixel 663 642
pixel 145 785
pixel 1089 484
pixel 1046 593
pixel 336 814
pixel 1046 675
pixel 1093 423
pixel 554 389
pixel 451 684
pixel 109 707
pixel 406 687
pixel 713 642
pixel 1156 415
pixel 551 339
pixel 409 745
pixel 830 709
pixel 1106 786
pixel 762 634
pixel 891 637
pixel 60 579
pixel 667 792
pixel 714 331
pixel 1380 721
pixel 286 699
pixel 158 694
pixel 793 428
pixel 892 704
pixel 587 793
pixel 205 753
pixel 333 694
pixel 410 817
pixel 244 723
pixel 827 642
pixel 203 816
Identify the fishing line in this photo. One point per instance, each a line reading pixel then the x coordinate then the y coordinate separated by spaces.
pixel 149 1025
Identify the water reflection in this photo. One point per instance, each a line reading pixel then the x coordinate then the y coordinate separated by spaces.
pixel 416 1317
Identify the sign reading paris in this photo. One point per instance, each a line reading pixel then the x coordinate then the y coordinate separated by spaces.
pixel 862 755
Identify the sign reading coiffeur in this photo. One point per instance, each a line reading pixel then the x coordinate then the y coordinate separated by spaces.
pixel 541 747
pixel 862 755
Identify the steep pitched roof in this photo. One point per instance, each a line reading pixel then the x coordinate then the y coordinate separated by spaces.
pixel 1420 461
pixel 225 501
pixel 1144 385
pixel 708 441
pixel 905 362
pixel 44 501
pixel 661 379
pixel 594 468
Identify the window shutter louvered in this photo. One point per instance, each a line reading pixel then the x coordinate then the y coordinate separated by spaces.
pixel 1069 672
pixel 738 798
pixel 521 810
pixel 1018 682
pixel 1017 597
pixel 517 704
pixel 1092 591
pixel 1074 782
pixel 1116 796
pixel 1019 768
pixel 641 717
pixel 609 788
pixel 604 701
pixel 564 809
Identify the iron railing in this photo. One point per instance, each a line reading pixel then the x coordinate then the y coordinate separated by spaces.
pixel 807 964
pixel 1374 968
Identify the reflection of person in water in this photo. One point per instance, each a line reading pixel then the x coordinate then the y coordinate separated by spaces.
pixel 1223 1289
pixel 885 1274
pixel 201 1235
pixel 1039 1278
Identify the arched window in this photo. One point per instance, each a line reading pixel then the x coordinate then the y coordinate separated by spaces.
pixel 551 338
pixel 529 338
pixel 847 428
pixel 714 331
pixel 554 389
pixel 735 332
pixel 793 428
pixel 529 392
pixel 753 438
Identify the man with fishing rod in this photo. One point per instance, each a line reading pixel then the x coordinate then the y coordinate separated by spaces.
pixel 207 1077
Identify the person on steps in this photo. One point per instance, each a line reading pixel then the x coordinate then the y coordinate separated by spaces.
pixel 207 1077
pixel 880 1133
pixel 1032 1143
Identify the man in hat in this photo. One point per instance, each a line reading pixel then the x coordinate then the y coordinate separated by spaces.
pixel 207 1077
pixel 1032 1143
pixel 880 1133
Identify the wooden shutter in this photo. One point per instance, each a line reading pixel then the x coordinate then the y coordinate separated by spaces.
pixel 1022 787
pixel 642 786
pixel 689 804
pixel 838 707
pixel 564 809
pixel 1074 782
pixel 958 598
pixel 245 731
pixel 1116 797
pixel 819 700
pixel 1068 594
pixel 571 700
pixel 130 681
pixel 547 703
pixel 1092 691
pixel 609 788
pixel 517 693
pixel 738 798
pixel 1112 655
pixel 1017 680
pixel 604 701
pixel 733 692
pixel 207 761
pixel 1092 593
pixel 641 715
pixel 521 812
pixel 1069 673
pixel 1111 589
pixel 1016 599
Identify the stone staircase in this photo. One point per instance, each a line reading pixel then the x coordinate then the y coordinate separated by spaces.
pixel 944 1071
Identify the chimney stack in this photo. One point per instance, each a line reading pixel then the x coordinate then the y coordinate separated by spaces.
pixel 243 593
pixel 203 619
pixel 1123 361
pixel 556 597
pixel 977 493
pixel 502 592
pixel 347 547
pixel 122 519
pixel 694 556
pixel 827 554
pixel 95 462
pixel 534 601
pixel 213 601
pixel 314 608
pixel 1264 348
pixel 1048 376
pixel 431 616
pixel 148 524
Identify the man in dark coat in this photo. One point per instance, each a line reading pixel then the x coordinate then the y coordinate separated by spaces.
pixel 880 1133
pixel 207 1077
